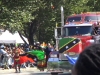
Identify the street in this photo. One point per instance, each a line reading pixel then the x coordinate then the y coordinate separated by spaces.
pixel 24 71
pixel 27 71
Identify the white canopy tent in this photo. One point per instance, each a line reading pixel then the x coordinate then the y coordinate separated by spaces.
pixel 7 37
pixel 18 38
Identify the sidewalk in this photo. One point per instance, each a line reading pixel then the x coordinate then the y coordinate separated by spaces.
pixel 8 71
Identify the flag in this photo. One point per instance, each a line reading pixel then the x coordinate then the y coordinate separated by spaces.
pixel 70 45
pixel 70 59
pixel 38 53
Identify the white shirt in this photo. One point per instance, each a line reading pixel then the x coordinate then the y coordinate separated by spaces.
pixel 2 51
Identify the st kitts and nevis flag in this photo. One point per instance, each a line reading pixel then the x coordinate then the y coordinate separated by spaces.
pixel 70 44
pixel 39 54
pixel 35 54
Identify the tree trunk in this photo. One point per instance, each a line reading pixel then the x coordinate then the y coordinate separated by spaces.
pixel 31 41
pixel 25 32
pixel 32 30
pixel 22 38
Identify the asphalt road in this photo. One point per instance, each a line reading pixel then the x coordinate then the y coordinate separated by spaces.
pixel 28 71
pixel 34 74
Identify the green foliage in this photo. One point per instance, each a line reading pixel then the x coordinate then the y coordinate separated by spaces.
pixel 14 13
pixel 53 15
pixel 39 17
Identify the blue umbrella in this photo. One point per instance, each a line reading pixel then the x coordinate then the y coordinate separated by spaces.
pixel 70 59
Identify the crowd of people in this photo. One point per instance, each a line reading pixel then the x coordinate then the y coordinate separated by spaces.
pixel 7 53
pixel 87 63
pixel 7 56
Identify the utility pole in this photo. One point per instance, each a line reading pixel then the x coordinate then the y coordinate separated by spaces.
pixel 62 24
pixel 62 20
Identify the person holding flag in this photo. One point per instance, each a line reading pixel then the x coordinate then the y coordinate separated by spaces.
pixel 40 58
pixel 39 55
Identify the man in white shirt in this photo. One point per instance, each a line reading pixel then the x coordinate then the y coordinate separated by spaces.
pixel 5 57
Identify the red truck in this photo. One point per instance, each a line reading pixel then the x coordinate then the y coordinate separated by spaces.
pixel 76 38
pixel 90 17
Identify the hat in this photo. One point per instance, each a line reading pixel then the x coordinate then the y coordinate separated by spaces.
pixel 2 46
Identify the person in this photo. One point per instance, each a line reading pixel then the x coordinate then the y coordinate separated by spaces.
pixel 17 59
pixel 38 47
pixel 96 33
pixel 88 62
pixel 10 59
pixel 48 50
pixel 98 28
pixel 27 48
pixel 4 57
pixel 39 55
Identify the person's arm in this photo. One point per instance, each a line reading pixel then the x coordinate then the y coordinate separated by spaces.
pixel 95 31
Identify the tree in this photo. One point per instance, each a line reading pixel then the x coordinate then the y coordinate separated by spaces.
pixel 94 5
pixel 52 15
pixel 17 15
pixel 39 17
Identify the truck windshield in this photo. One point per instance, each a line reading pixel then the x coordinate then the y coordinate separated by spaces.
pixel 92 18
pixel 78 30
pixel 75 19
